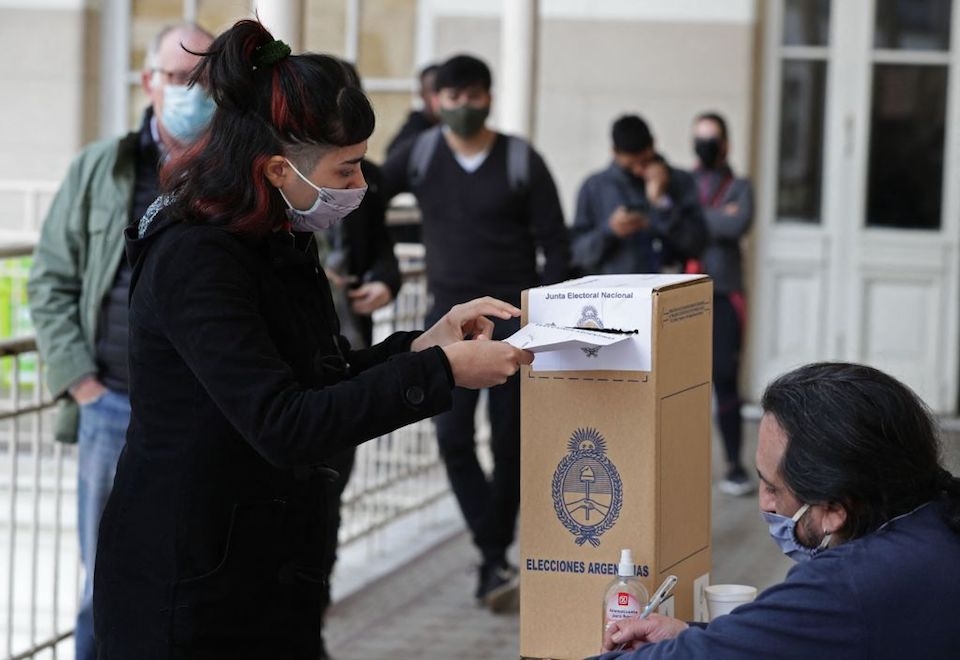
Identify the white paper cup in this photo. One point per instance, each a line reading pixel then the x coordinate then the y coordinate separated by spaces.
pixel 723 598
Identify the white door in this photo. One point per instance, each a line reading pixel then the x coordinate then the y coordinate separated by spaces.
pixel 859 208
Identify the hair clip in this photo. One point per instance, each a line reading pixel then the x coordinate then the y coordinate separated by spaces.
pixel 270 53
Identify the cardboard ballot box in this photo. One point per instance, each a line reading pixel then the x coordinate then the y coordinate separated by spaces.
pixel 615 454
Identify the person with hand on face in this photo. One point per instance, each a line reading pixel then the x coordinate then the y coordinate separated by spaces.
pixel 727 203
pixel 488 203
pixel 638 215
pixel 79 280
pixel 213 540
pixel 853 490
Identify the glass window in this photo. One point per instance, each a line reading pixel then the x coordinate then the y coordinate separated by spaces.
pixel 913 24
pixel 218 15
pixel 323 26
pixel 806 22
pixel 391 109
pixel 387 32
pixel 800 162
pixel 907 123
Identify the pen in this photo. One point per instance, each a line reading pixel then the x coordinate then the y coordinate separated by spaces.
pixel 659 596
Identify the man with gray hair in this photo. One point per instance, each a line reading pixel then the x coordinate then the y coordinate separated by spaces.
pixel 79 279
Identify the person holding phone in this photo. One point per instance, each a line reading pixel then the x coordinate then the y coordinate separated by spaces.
pixel 638 215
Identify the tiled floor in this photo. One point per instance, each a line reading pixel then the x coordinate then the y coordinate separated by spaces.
pixel 425 610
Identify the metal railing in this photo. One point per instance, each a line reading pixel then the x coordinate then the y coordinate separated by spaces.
pixel 38 483
pixel 23 204
pixel 41 576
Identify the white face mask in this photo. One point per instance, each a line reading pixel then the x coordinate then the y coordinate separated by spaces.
pixel 331 206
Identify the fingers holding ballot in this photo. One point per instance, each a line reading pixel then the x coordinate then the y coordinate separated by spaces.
pixel 635 632
pixel 466 321
pixel 464 333
pixel 484 363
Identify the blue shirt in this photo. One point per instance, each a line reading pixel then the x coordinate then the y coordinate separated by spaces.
pixel 894 593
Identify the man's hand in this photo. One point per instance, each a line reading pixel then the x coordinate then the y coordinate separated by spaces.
pixel 338 281
pixel 369 297
pixel 87 390
pixel 484 363
pixel 635 632
pixel 468 320
pixel 657 178
pixel 731 209
pixel 623 223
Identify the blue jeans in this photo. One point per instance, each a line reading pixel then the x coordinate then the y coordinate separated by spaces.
pixel 101 436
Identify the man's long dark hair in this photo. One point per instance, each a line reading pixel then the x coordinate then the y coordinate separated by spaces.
pixel 862 439
pixel 297 106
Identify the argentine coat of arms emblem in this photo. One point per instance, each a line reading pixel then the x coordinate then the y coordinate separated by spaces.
pixel 587 490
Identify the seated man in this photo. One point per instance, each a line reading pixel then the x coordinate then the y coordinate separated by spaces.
pixel 851 488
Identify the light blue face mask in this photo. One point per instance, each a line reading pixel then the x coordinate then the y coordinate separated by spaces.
pixel 784 534
pixel 186 111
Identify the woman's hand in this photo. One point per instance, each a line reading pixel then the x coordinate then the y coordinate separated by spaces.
pixel 484 363
pixel 466 321
pixel 634 633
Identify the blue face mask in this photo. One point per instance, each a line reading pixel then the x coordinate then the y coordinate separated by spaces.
pixel 784 534
pixel 186 111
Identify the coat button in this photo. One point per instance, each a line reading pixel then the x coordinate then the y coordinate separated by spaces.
pixel 414 395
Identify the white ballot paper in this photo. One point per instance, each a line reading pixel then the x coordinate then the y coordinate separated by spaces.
pixel 539 338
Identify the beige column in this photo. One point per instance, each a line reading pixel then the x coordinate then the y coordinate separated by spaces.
pixel 284 19
pixel 114 92
pixel 516 99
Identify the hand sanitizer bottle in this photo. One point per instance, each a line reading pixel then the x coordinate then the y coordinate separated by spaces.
pixel 625 597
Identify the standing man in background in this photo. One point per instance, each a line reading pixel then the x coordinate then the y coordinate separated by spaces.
pixel 80 278
pixel 727 203
pixel 488 203
pixel 426 117
pixel 639 214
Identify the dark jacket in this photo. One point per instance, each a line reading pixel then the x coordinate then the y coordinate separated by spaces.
pixel 367 245
pixel 370 247
pixel 212 542
pixel 417 122
pixel 677 231
pixel 727 203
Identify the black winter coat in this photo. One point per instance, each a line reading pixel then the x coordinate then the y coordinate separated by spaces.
pixel 211 545
pixel 370 254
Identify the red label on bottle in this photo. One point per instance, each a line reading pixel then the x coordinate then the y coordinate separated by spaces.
pixel 621 605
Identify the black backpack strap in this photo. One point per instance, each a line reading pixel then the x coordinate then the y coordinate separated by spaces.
pixel 424 146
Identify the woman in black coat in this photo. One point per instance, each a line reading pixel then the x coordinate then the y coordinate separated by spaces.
pixel 212 543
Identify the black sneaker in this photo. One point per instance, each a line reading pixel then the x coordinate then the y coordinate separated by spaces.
pixel 737 483
pixel 497 587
